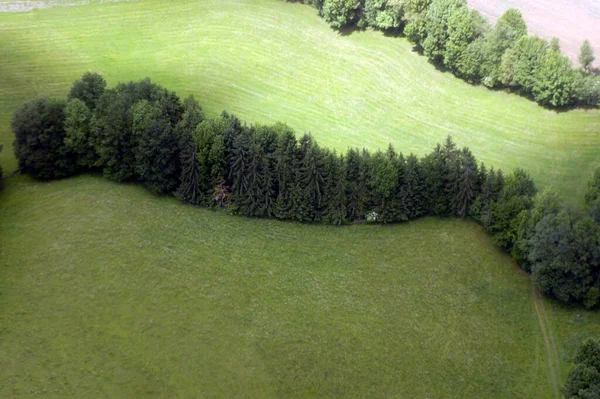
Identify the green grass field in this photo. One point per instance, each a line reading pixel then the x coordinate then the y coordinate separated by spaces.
pixel 107 291
pixel 269 61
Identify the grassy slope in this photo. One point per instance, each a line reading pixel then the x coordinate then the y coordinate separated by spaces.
pixel 275 61
pixel 119 294
pixel 169 301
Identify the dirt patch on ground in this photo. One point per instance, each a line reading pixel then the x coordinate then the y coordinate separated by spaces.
pixel 572 21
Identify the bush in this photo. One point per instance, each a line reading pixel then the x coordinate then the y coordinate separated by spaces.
pixel 40 140
pixel 583 381
pixel 341 13
pixel 88 89
pixel 78 118
pixel 554 80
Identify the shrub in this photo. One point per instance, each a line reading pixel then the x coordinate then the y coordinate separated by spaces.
pixel 40 140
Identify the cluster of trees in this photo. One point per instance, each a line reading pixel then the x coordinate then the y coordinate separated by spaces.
pixel 461 39
pixel 139 131
pixel 583 381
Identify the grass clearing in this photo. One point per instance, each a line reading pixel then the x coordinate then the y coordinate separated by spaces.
pixel 270 61
pixel 107 291
pixel 122 294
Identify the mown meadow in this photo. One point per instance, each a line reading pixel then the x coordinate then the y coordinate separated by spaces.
pixel 277 61
pixel 107 290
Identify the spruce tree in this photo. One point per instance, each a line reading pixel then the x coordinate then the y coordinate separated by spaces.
pixel 413 190
pixel 285 173
pixel 189 181
pixel 311 180
pixel 335 188
pixel 467 184
pixel 237 172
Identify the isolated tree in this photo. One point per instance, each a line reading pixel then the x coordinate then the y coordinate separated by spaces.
pixel 554 80
pixel 78 131
pixel 341 13
pixel 586 56
pixel 40 140
pixel 88 89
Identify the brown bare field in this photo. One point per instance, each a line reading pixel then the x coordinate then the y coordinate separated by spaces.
pixel 572 21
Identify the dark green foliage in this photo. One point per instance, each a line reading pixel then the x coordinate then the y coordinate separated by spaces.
pixel 285 173
pixel 357 191
pixel 545 203
pixel 140 131
pixel 341 13
pixel 112 127
pixel 468 183
pixel 593 191
pixel 412 190
pixel 39 128
pixel 554 81
pixel 586 89
pixel 88 89
pixel 491 188
pixel 335 189
pixel 311 178
pixel 416 20
pixel 1 172
pixel 471 60
pixel 78 119
pixel 384 174
pixel 584 379
pixel 565 257
pixel 436 25
pixel 520 62
pixel 450 33
pixel 209 147
pixel 464 27
pixel 516 197
pixel 509 28
pixel 157 151
pixel 189 189
pixel 442 173
pixel 383 14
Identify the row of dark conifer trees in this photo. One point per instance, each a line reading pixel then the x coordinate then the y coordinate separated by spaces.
pixel 139 131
